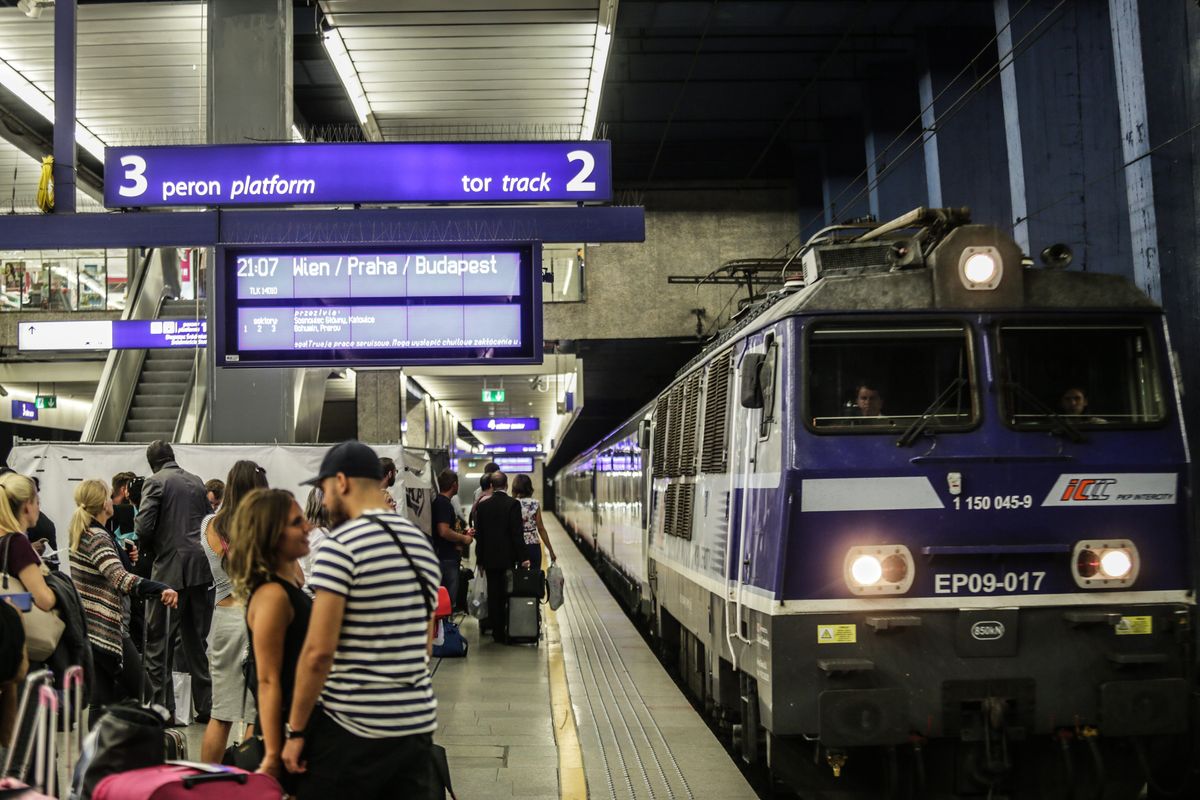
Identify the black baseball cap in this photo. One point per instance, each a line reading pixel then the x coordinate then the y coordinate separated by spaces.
pixel 352 459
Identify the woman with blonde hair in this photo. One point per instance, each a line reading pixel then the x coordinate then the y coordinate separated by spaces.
pixel 101 579
pixel 19 509
pixel 271 538
pixel 227 641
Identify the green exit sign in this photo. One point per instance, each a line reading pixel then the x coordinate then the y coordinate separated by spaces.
pixel 493 395
pixel 46 401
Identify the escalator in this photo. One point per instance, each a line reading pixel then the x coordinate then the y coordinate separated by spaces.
pixel 145 395
pixel 163 385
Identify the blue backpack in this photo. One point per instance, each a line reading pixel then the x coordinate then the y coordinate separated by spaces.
pixel 453 644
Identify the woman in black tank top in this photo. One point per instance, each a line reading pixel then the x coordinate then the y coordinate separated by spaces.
pixel 268 538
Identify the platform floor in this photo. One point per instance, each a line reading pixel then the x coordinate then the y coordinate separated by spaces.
pixel 637 735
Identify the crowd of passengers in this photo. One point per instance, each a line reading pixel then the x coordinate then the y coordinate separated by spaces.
pixel 314 623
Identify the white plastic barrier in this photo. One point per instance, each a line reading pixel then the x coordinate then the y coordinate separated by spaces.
pixel 60 467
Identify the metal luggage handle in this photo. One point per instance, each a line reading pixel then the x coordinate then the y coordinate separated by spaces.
pixel 32 683
pixel 45 740
pixel 73 713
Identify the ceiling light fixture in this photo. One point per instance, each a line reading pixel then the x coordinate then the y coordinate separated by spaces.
pixel 34 8
pixel 335 46
pixel 600 52
pixel 36 99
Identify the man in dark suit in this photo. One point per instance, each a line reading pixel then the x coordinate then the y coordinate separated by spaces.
pixel 168 522
pixel 499 546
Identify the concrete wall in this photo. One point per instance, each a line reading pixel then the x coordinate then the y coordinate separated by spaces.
pixel 689 231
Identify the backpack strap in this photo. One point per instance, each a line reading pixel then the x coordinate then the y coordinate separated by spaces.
pixel 400 543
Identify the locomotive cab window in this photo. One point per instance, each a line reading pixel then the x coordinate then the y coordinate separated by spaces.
pixel 884 378
pixel 1079 376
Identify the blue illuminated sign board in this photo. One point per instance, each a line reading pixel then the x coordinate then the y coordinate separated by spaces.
pixel 22 410
pixel 105 334
pixel 357 172
pixel 514 465
pixel 532 449
pixel 505 424
pixel 379 306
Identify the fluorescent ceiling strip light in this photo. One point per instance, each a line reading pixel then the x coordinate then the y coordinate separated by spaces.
pixel 346 71
pixel 591 104
pixel 36 99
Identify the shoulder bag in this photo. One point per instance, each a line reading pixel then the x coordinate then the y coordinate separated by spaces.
pixel 43 629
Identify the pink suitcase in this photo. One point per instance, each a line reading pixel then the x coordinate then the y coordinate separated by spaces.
pixel 182 780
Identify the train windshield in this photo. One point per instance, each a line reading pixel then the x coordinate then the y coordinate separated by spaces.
pixel 882 378
pixel 1091 376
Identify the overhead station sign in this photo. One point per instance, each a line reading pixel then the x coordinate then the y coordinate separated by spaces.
pixel 379 306
pixel 105 334
pixel 372 172
pixel 505 424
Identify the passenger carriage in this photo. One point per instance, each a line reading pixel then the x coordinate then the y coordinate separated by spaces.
pixel 966 583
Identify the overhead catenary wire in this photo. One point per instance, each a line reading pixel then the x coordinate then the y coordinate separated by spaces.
pixel 939 121
pixel 915 121
pixel 1109 175
pixel 679 95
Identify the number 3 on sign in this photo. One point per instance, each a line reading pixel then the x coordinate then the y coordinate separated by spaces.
pixel 580 182
pixel 135 169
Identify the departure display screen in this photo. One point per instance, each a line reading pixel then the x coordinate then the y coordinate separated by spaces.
pixel 379 305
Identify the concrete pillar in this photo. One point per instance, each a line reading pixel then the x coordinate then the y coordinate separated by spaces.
pixel 1012 124
pixel 1069 138
pixel 1171 52
pixel 893 146
pixel 843 178
pixel 378 397
pixel 966 162
pixel 1135 144
pixel 250 99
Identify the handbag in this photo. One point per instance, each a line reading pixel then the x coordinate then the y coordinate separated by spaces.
pixel 43 629
pixel 554 586
pixel 247 754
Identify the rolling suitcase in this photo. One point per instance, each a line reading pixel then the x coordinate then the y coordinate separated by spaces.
pixel 523 582
pixel 187 780
pixel 19 757
pixel 524 624
pixel 174 742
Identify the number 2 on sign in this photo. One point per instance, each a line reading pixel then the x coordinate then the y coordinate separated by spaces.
pixel 580 182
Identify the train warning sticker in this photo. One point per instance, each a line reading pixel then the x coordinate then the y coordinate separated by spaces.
pixel 837 634
pixel 1135 626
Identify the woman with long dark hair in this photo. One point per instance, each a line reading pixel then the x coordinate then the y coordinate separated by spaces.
pixel 531 521
pixel 272 537
pixel 227 640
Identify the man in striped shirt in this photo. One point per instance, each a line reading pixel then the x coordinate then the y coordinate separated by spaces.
pixel 363 712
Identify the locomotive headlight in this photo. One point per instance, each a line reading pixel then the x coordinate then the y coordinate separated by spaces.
pixel 1105 564
pixel 1115 564
pixel 878 569
pixel 980 268
pixel 866 570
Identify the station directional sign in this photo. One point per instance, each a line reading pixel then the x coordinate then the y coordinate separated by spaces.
pixel 493 395
pixel 357 172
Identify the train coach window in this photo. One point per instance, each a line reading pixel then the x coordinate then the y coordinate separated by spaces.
pixel 882 378
pixel 1092 376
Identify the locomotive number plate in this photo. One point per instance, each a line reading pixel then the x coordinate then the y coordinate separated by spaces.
pixel 987 582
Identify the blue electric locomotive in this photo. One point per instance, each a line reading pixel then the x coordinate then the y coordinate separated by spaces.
pixel 919 520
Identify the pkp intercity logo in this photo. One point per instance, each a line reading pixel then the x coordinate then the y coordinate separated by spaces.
pixel 1087 490
pixel 1114 489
